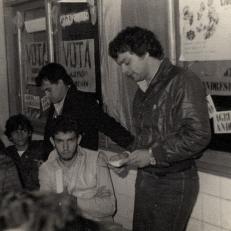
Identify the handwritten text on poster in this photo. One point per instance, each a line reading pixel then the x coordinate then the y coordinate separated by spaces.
pixel 222 122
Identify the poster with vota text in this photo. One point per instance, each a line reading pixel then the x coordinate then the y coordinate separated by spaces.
pixel 79 45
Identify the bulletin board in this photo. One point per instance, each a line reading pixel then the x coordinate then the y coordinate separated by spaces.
pixel 33 54
pixel 205 48
pixel 76 43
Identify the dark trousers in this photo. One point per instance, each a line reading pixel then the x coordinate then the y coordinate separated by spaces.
pixel 164 203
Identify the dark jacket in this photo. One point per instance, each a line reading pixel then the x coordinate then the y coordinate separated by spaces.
pixel 9 178
pixel 28 163
pixel 91 118
pixel 171 118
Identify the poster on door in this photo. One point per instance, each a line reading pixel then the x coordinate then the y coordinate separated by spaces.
pixel 78 57
pixel 35 58
pixel 77 43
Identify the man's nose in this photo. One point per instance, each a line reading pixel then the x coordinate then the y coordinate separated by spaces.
pixel 65 146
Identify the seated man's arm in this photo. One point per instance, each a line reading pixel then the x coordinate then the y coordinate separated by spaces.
pixel 103 203
pixel 45 181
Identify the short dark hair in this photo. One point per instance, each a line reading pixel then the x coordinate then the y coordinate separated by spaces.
pixel 16 122
pixel 136 40
pixel 64 123
pixel 53 72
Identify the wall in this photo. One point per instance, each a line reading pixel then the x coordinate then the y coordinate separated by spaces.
pixel 4 109
pixel 212 211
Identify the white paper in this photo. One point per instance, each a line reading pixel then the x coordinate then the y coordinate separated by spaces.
pixel 222 122
pixel 32 101
pixel 35 25
pixel 205 30
pixel 211 106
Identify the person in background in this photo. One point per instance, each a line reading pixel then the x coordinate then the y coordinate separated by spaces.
pixel 26 153
pixel 171 120
pixel 79 172
pixel 27 211
pixel 9 178
pixel 67 100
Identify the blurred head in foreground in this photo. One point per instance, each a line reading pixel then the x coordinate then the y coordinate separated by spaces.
pixel 27 211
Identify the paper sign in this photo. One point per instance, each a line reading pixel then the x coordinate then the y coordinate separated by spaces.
pixel 211 106
pixel 205 29
pixel 32 101
pixel 45 103
pixel 69 19
pixel 35 25
pixel 69 1
pixel 222 122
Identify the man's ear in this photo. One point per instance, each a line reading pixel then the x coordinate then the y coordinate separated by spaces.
pixel 52 141
pixel 79 139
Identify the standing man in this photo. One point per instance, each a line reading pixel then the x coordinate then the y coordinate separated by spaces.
pixel 172 129
pixel 67 100
pixel 79 172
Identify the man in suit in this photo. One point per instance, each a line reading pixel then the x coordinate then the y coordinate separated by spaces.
pixel 67 100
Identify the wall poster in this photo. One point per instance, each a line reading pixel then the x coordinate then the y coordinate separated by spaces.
pixel 76 43
pixel 205 30
pixel 205 48
pixel 33 54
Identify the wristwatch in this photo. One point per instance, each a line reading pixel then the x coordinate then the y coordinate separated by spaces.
pixel 152 158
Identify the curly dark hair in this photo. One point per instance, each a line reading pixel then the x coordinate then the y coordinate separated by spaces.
pixel 16 122
pixel 53 72
pixel 136 40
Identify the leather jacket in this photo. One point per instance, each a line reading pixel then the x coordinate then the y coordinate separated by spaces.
pixel 171 117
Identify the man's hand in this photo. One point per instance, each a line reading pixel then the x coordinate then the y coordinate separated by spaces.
pixel 64 198
pixel 118 163
pixel 139 158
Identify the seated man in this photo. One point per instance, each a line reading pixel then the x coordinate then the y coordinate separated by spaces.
pixel 26 153
pixel 79 172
